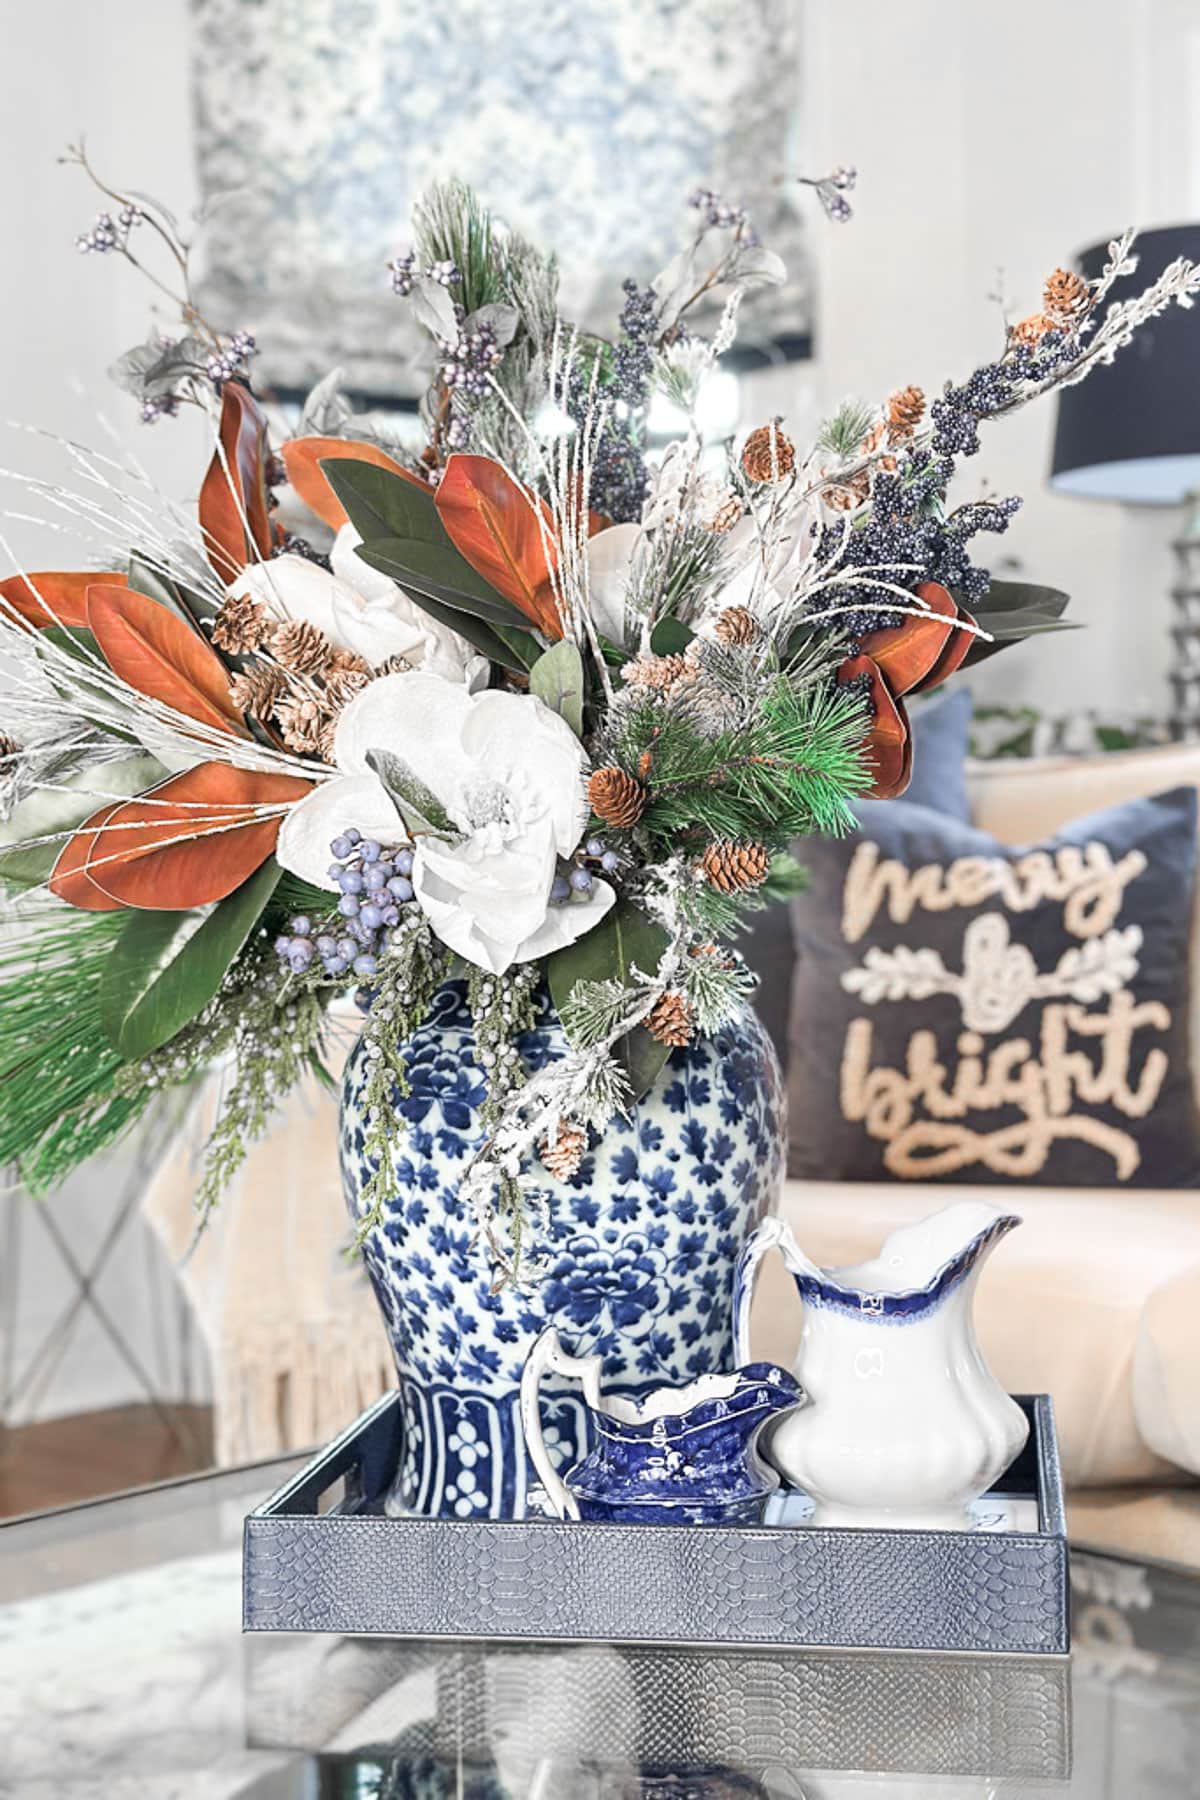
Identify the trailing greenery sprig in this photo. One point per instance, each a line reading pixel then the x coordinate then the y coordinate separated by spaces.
pixel 409 976
pixel 503 1007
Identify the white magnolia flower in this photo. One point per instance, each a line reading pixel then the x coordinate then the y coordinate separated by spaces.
pixel 362 610
pixel 511 776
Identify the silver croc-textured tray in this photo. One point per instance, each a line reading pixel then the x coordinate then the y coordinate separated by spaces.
pixel 321 1556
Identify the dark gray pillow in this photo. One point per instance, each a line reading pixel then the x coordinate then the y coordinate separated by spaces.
pixel 941 731
pixel 967 1012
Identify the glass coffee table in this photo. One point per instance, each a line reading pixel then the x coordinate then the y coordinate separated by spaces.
pixel 124 1672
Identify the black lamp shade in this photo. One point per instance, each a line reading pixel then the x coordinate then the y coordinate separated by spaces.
pixel 1131 431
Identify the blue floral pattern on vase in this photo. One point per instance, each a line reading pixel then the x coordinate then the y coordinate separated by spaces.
pixel 637 1250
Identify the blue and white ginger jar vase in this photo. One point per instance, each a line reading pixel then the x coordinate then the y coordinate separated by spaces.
pixel 637 1250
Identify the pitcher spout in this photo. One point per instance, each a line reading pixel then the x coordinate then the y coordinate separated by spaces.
pixel 918 1265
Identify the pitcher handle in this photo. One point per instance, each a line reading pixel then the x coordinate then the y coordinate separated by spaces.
pixel 772 1234
pixel 548 1353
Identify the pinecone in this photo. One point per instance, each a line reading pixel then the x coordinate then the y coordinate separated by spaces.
pixel 1033 329
pixel 395 665
pixel 768 454
pixel 302 648
pixel 302 722
pixel 726 513
pixel 905 410
pixel 257 690
pixel 736 625
pixel 341 685
pixel 669 1020
pixel 563 1156
pixel 241 625
pixel 348 662
pixel 658 672
pixel 616 797
pixel 846 496
pixel 1066 296
pixel 732 867
pixel 710 707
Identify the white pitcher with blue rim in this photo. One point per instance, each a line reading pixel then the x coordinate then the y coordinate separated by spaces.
pixel 905 1423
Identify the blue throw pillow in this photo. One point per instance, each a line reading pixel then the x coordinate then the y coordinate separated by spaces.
pixel 963 1011
pixel 941 731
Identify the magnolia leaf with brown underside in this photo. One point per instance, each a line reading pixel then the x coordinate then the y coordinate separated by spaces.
pixel 153 651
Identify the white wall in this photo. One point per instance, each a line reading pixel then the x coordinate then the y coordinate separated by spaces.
pixel 115 70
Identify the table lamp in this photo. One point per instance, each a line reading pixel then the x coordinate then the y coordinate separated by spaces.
pixel 1131 432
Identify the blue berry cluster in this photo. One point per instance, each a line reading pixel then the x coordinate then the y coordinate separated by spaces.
pixel 619 474
pixel 907 524
pixel 374 885
pixel 224 364
pixel 106 233
pixel 957 414
pixel 580 879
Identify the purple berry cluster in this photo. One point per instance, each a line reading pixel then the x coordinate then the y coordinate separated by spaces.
pixel 466 367
pixel 224 364
pixel 832 190
pixel 374 885
pixel 717 212
pixel 404 271
pixel 106 233
pixel 163 406
pixel 579 879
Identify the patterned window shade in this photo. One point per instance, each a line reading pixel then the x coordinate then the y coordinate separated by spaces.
pixel 583 123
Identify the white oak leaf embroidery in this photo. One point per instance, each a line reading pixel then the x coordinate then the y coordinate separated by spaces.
pixel 998 978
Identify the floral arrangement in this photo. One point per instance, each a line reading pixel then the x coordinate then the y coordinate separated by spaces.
pixel 530 706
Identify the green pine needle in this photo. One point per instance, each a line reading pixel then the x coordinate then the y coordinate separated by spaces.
pixel 59 1098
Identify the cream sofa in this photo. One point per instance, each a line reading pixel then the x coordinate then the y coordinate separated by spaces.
pixel 1096 1300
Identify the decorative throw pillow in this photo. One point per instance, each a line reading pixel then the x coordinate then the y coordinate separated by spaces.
pixel 941 732
pixel 964 1011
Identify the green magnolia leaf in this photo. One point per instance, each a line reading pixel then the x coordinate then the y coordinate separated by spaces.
pixel 670 636
pixel 1022 596
pixel 403 536
pixel 166 966
pixel 53 813
pixel 386 509
pixel 380 503
pixel 420 806
pixel 502 644
pixel 624 939
pixel 423 568
pixel 557 678
pixel 191 608
pixel 1004 632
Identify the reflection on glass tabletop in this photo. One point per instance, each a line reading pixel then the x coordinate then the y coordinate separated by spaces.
pixel 124 1672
